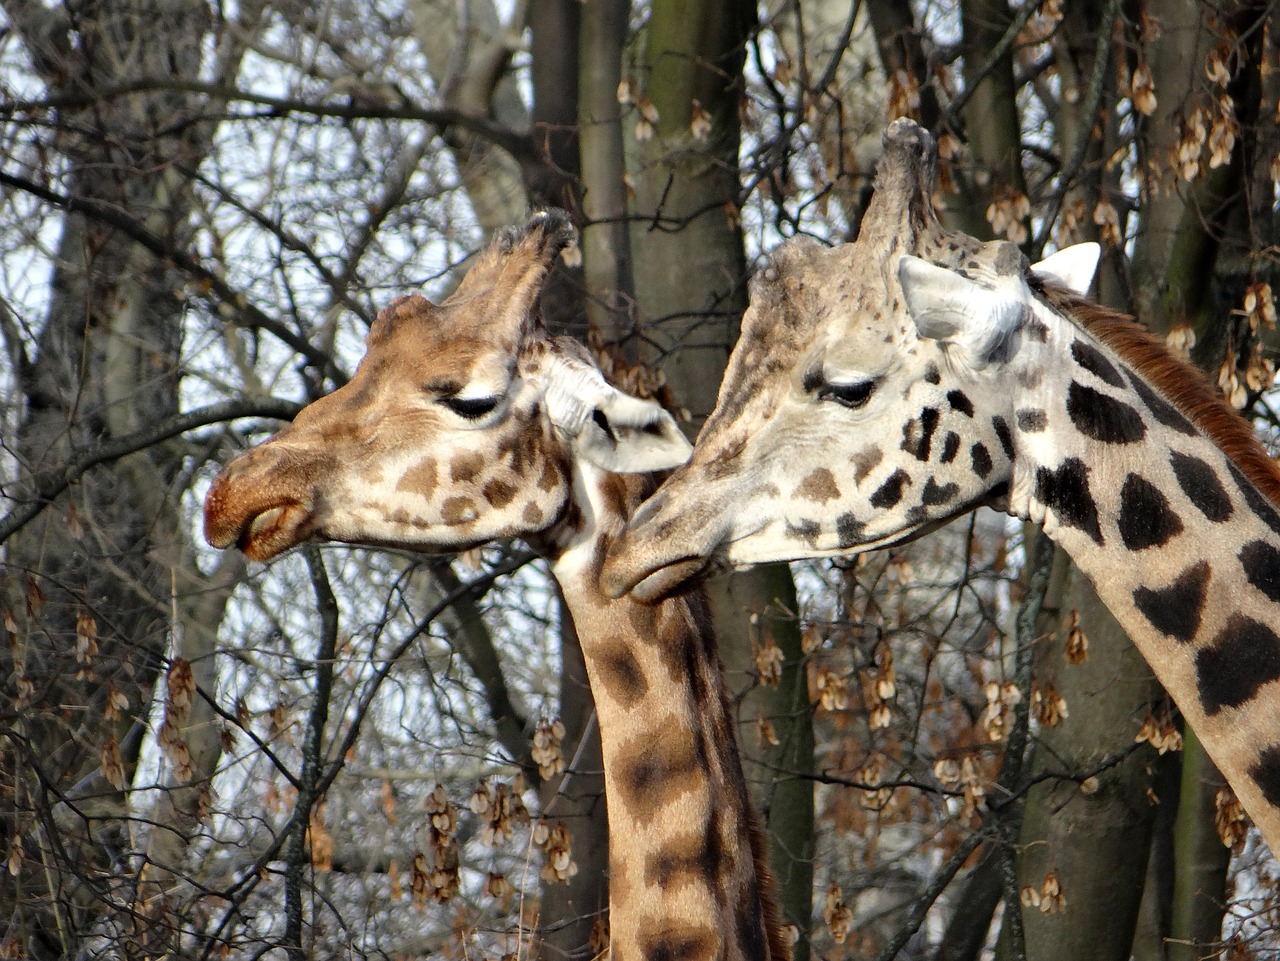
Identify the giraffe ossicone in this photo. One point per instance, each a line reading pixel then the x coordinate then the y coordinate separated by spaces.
pixel 882 388
pixel 466 422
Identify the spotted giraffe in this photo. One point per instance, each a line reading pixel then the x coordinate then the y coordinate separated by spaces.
pixel 881 388
pixel 467 422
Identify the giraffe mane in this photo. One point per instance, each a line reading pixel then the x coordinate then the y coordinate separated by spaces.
pixel 1182 384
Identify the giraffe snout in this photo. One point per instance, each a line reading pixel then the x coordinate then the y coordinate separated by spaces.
pixel 260 502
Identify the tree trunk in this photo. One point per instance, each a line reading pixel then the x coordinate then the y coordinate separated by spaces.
pixel 1091 836
pixel 1200 884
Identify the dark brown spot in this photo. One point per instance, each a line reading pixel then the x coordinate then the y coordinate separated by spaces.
pixel 1145 520
pixel 804 530
pixel 936 494
pixel 549 479
pixel 980 459
pixel 1201 485
pixel 1176 610
pixel 696 856
pixel 950 447
pixel 849 530
pixel 917 433
pixel 1092 360
pixel 1243 658
pixel 960 401
pixel 670 941
pixel 890 492
pixel 499 493
pixel 1257 503
pixel 1001 427
pixel 620 673
pixel 657 768
pixel 532 515
pixel 1065 492
pixel 1261 562
pixel 1103 418
pixel 1161 409
pixel 1266 774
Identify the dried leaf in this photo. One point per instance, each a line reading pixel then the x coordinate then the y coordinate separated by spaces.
pixel 112 763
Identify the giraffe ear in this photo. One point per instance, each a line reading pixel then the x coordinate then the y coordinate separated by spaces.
pixel 955 310
pixel 611 429
pixel 1073 267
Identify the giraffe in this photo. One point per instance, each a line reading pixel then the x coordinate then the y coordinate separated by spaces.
pixel 466 422
pixel 882 388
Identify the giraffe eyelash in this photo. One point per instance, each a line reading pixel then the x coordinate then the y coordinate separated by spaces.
pixel 470 408
pixel 852 396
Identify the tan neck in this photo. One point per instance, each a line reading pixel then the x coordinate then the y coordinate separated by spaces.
pixel 682 883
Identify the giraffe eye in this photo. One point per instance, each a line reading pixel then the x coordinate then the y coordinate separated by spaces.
pixel 852 396
pixel 471 408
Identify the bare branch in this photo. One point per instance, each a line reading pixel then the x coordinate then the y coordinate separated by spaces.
pixel 51 485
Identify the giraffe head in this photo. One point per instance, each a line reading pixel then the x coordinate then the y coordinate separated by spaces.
pixel 464 422
pixel 846 418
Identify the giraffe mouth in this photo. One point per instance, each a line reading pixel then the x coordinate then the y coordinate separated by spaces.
pixel 666 579
pixel 272 531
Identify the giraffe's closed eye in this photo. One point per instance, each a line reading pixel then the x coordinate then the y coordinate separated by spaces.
pixel 852 396
pixel 471 408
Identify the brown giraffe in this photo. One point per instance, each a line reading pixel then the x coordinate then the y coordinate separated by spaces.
pixel 882 388
pixel 467 422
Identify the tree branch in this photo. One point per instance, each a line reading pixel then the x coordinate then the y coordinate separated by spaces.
pixel 228 295
pixel 53 483
pixel 366 108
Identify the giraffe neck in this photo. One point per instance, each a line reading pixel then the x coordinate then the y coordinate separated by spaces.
pixel 682 883
pixel 1152 499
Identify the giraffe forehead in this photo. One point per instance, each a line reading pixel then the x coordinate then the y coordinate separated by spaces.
pixel 436 361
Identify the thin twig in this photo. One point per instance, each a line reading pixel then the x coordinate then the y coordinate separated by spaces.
pixel 53 483
pixel 1101 57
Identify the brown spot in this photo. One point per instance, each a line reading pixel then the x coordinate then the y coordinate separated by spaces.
pixel 656 769
pixel 619 673
pixel 665 940
pixel 693 857
pixel 819 486
pixel 532 514
pixel 865 461
pixel 499 493
pixel 419 479
pixel 466 467
pixel 458 510
pixel 549 480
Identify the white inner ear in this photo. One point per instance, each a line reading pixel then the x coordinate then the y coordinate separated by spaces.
pixel 608 428
pixel 1073 267
pixel 950 308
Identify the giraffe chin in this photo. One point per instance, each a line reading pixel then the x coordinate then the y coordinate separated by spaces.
pixel 272 532
pixel 667 579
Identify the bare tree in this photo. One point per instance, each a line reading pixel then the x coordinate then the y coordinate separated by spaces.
pixel 203 208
